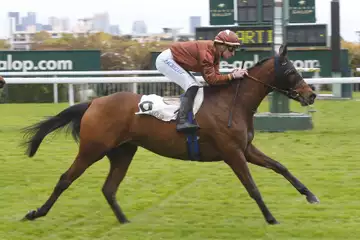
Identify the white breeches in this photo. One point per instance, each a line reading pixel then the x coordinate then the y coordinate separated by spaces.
pixel 167 66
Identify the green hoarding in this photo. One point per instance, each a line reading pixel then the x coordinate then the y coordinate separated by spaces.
pixel 319 58
pixel 27 61
pixel 49 61
pixel 221 12
pixel 302 11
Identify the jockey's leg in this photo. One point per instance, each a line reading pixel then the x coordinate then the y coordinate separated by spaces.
pixel 186 106
pixel 167 66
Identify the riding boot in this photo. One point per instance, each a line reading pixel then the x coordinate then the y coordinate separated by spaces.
pixel 186 106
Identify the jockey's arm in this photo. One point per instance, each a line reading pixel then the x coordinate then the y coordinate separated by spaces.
pixel 211 72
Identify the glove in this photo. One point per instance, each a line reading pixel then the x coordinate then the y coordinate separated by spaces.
pixel 239 73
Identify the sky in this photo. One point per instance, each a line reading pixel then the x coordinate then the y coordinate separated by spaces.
pixel 158 13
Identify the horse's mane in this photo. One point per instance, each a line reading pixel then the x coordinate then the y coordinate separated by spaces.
pixel 260 62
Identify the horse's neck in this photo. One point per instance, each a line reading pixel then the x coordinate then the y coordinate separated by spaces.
pixel 251 93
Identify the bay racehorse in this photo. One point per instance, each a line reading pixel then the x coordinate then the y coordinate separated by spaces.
pixel 108 126
pixel 2 82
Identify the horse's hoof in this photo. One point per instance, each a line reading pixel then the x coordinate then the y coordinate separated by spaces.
pixel 30 215
pixel 124 221
pixel 312 199
pixel 273 222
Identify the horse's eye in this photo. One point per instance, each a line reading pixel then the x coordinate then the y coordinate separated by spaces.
pixel 289 72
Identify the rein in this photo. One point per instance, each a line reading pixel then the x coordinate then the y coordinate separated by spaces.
pixel 233 104
pixel 291 93
pixel 286 92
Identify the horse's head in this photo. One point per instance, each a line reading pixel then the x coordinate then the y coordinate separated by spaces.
pixel 287 78
pixel 2 82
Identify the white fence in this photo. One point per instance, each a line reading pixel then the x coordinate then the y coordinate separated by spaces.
pixel 71 79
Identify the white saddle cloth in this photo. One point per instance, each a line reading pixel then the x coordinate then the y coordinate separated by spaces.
pixel 166 108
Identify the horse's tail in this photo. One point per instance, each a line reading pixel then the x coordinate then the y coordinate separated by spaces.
pixel 71 116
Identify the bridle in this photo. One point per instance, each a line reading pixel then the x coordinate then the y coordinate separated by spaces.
pixel 291 93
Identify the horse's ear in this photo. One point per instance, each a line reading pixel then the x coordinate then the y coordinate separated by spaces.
pixel 283 50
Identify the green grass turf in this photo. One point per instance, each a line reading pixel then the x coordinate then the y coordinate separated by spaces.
pixel 170 199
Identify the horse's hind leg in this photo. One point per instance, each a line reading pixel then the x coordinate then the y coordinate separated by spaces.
pixel 120 159
pixel 255 156
pixel 88 154
pixel 236 160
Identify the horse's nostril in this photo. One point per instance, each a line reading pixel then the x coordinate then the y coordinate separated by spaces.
pixel 313 96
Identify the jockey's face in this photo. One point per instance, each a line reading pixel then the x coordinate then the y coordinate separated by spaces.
pixel 226 51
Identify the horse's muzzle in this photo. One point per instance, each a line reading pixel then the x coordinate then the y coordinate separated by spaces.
pixel 307 100
pixel 312 98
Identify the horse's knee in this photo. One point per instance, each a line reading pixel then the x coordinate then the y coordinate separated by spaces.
pixel 108 193
pixel 105 191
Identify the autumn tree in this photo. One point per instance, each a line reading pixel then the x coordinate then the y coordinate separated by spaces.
pixel 354 54
pixel 39 38
pixel 117 52
pixel 4 45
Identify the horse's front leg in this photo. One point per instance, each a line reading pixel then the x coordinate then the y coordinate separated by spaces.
pixel 235 158
pixel 255 156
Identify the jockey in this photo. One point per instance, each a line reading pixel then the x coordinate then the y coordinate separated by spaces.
pixel 202 56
